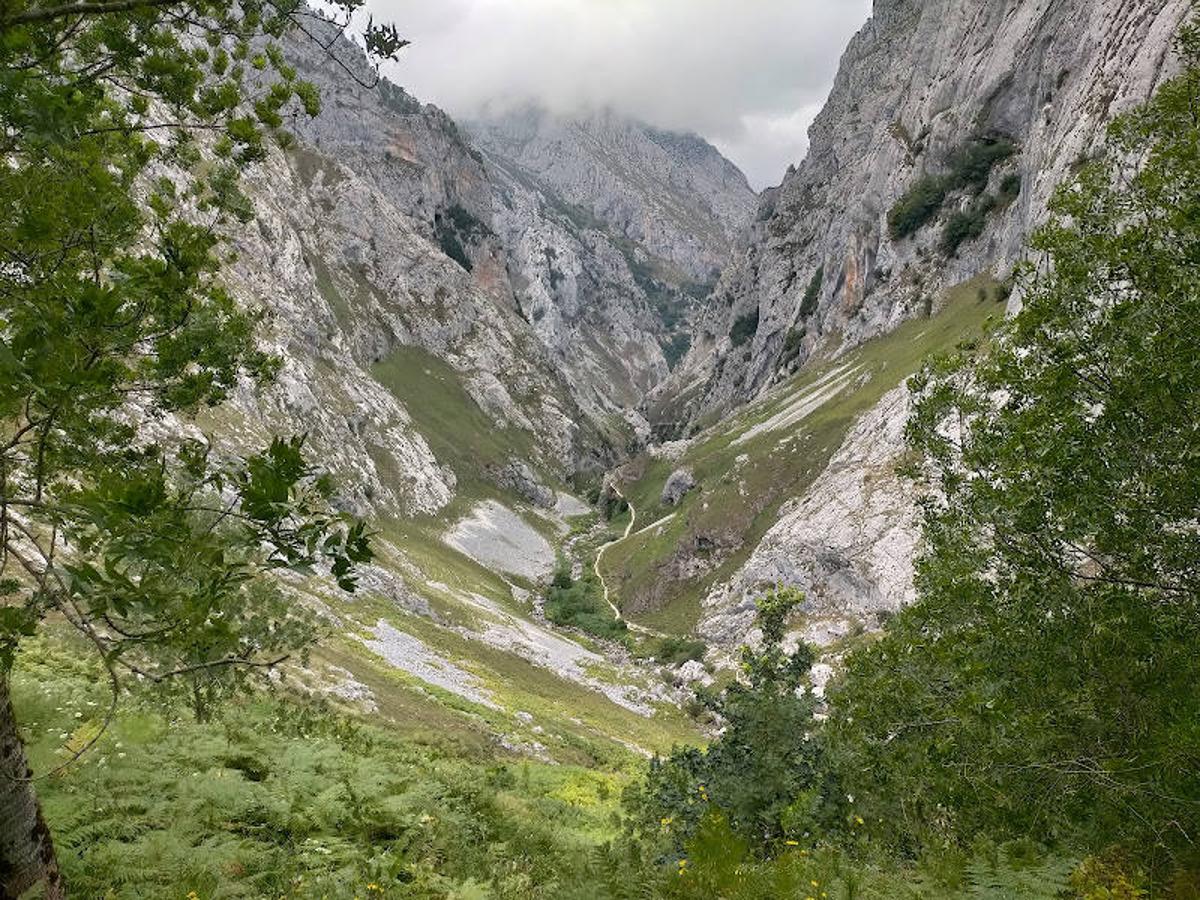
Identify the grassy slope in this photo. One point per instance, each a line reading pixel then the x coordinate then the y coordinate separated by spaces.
pixel 278 797
pixel 734 505
pixel 581 724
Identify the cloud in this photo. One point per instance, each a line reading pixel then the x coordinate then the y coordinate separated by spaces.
pixel 747 74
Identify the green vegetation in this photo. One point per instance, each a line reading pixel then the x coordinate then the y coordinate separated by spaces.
pixel 969 168
pixel 460 434
pixel 967 224
pixel 580 604
pixel 157 551
pixel 736 503
pixel 455 230
pixel 763 762
pixel 1052 656
pixel 812 294
pixel 672 650
pixel 677 348
pixel 744 328
pixel 1027 728
pixel 279 797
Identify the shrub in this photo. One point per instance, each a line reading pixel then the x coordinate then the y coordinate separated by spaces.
pixel 762 762
pixel 970 167
pixel 580 604
pixel 967 225
pixel 673 650
pixel 676 349
pixel 812 293
pixel 1010 189
pixel 744 328
pixel 455 230
pixel 791 344
pixel 917 206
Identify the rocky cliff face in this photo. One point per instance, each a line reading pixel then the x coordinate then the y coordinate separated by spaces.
pixel 615 231
pixel 672 195
pixel 971 111
pixel 444 315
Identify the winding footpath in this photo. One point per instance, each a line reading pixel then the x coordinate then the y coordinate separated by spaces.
pixel 633 626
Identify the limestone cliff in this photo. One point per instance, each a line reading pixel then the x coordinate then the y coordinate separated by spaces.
pixel 438 317
pixel 993 101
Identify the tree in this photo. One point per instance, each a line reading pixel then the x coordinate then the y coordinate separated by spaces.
pixel 764 759
pixel 1044 685
pixel 112 321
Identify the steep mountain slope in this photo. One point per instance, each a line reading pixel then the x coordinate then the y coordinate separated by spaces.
pixel 393 263
pixel 615 231
pixel 948 127
pixel 671 193
pixel 798 488
pixel 995 101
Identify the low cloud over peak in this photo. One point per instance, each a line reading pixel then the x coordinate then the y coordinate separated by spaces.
pixel 749 76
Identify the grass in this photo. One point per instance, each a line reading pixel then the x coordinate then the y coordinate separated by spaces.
pixel 280 796
pixel 737 501
pixel 460 434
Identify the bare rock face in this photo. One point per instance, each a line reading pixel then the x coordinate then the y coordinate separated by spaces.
pixel 615 231
pixel 672 194
pixel 678 484
pixel 385 233
pixel 849 542
pixel 923 82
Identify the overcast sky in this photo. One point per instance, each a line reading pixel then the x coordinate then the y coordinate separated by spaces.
pixel 749 75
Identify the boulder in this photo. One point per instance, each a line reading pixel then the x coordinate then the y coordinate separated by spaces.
pixel 677 486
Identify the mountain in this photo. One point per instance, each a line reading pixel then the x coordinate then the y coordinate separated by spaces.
pixel 465 347
pixel 949 125
pixel 970 112
pixel 615 231
pixel 672 194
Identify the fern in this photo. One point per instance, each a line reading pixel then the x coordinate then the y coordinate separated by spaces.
pixel 1011 874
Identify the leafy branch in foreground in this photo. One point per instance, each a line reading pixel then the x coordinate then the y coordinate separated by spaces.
pixel 113 321
pixel 1044 685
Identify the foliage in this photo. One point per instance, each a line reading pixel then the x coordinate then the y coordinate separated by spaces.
pixel 457 229
pixel 580 604
pixel 1044 684
pixel 969 168
pixel 744 328
pixel 672 650
pixel 677 348
pixel 762 762
pixel 281 795
pixel 812 294
pixel 917 206
pixel 126 126
pixel 967 224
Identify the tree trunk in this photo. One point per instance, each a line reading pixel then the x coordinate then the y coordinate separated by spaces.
pixel 26 849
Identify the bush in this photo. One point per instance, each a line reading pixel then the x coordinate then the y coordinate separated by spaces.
pixel 455 230
pixel 967 225
pixel 673 651
pixel 917 206
pixel 970 167
pixel 676 349
pixel 762 762
pixel 580 604
pixel 812 294
pixel 744 328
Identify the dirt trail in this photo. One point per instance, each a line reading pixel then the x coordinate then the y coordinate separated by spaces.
pixel 633 626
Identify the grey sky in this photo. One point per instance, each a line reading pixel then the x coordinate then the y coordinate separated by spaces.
pixel 749 75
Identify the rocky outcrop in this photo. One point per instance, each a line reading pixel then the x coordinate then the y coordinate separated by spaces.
pixel 672 195
pixel 678 484
pixel 385 232
pixel 921 88
pixel 615 231
pixel 849 542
